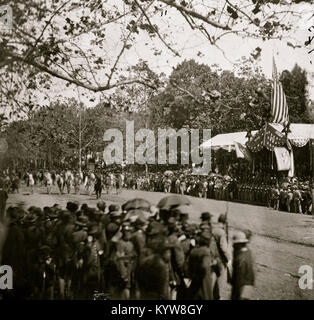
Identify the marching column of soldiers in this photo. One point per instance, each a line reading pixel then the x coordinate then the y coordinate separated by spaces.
pixel 136 251
pixel 285 194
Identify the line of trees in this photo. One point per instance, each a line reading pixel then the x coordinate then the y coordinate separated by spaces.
pixel 193 96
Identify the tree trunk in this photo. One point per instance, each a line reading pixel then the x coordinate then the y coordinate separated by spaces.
pixel 80 143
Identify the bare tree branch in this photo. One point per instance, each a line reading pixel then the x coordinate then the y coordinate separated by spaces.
pixel 186 92
pixel 172 3
pixel 29 52
pixel 243 13
pixel 188 21
pixel 156 30
pixel 125 44
pixel 56 74
pixel 88 63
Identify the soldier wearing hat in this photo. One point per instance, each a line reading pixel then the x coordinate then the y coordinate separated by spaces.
pixel 224 256
pixel 139 236
pixel 243 276
pixel 92 257
pixel 176 265
pixel 46 272
pixel 98 186
pixel 50 228
pixel 77 183
pixel 65 253
pixel 199 270
pixel 101 205
pixel 120 267
pixel 139 241
pixel 72 206
pixel 275 196
pixel 206 217
pixel 297 199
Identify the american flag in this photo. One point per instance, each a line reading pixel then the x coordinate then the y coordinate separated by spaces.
pixel 279 106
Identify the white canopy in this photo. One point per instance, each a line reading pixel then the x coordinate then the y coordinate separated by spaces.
pixel 300 134
pixel 226 140
pixel 298 130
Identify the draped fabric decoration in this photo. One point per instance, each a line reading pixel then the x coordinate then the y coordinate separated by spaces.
pixel 267 137
pixel 283 158
pixel 292 168
pixel 242 151
pixel 299 142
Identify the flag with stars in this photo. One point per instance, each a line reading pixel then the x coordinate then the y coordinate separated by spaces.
pixel 279 106
pixel 267 137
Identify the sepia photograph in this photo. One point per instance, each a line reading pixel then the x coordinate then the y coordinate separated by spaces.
pixel 156 150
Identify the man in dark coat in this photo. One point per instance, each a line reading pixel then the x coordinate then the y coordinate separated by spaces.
pixel 200 262
pixel 154 268
pixel 243 276
pixel 65 254
pixel 98 186
pixel 224 256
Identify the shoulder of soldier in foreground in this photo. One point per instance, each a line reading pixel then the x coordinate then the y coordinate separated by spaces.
pixel 245 254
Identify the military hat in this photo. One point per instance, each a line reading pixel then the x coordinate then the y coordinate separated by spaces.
pixel 101 205
pixel 114 208
pixel 84 206
pixel 206 215
pixel 30 219
pixel 31 208
pixel 222 218
pixel 112 227
pixel 56 206
pixel 72 206
pixel 82 221
pixel 14 214
pixel 93 230
pixel 45 250
pixel 239 237
pixel 53 212
pixel 65 216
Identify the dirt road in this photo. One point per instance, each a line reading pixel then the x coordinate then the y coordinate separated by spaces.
pixel 281 242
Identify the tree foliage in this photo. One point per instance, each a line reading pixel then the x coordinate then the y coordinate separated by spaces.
pixel 295 83
pixel 83 42
pixel 199 97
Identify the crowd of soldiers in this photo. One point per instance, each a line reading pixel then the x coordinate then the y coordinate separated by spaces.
pixel 133 251
pixel 285 194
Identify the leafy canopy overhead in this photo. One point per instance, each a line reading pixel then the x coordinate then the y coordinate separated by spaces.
pixel 84 43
